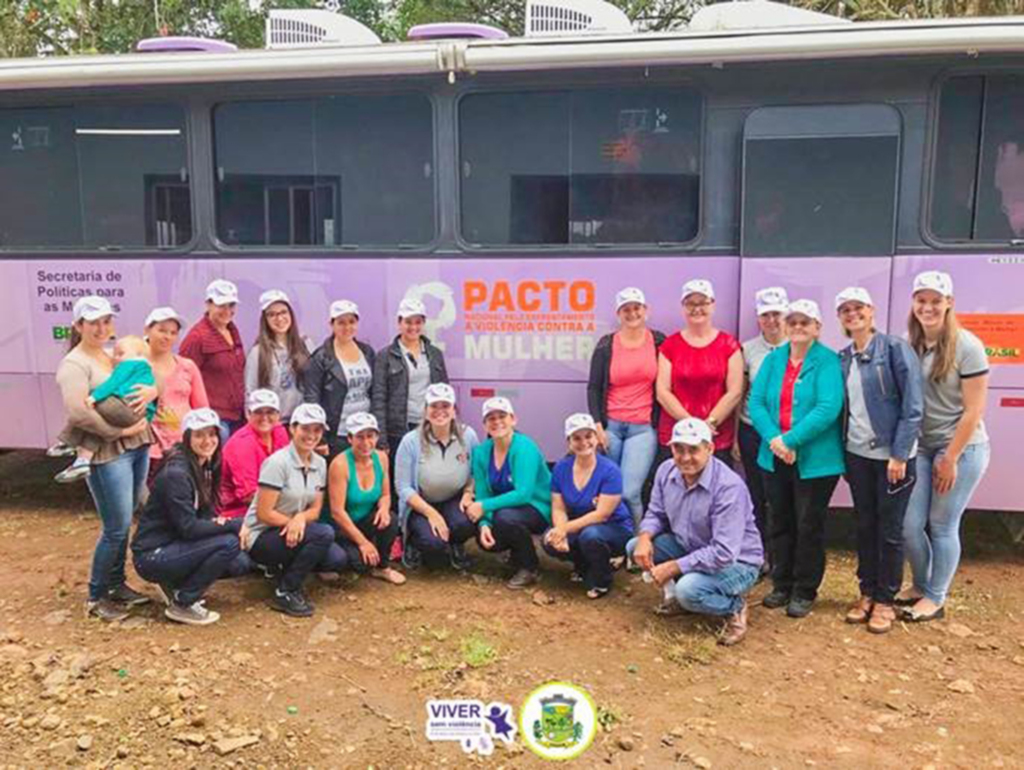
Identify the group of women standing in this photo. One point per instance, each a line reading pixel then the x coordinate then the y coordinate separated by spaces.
pixel 368 429
pixel 901 419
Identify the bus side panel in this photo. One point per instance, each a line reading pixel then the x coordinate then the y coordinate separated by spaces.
pixel 537 318
pixel 134 287
pixel 18 344
pixel 24 424
pixel 1001 487
pixel 990 303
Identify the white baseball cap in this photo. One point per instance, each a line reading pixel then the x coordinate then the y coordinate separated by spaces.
pixel 807 307
pixel 92 308
pixel 440 392
pixel 579 421
pixel 627 295
pixel 692 431
pixel 697 286
pixel 309 414
pixel 344 307
pixel 221 292
pixel 360 421
pixel 408 308
pixel 853 294
pixel 497 404
pixel 197 419
pixel 772 299
pixel 264 398
pixel 268 298
pixel 935 280
pixel 161 314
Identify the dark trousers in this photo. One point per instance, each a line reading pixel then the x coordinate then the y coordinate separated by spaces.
pixel 313 553
pixel 513 530
pixel 591 550
pixel 189 567
pixel 434 549
pixel 750 444
pixel 394 439
pixel 798 508
pixel 383 539
pixel 880 508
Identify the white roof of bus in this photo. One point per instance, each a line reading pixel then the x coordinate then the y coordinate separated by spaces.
pixel 969 37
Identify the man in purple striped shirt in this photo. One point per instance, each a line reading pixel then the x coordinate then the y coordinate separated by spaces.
pixel 698 539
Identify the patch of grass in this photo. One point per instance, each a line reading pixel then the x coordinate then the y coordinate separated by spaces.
pixel 437 634
pixel 686 647
pixel 407 607
pixel 477 651
pixel 608 716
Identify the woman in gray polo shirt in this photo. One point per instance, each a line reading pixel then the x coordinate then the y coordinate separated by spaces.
pixel 954 449
pixel 284 532
pixel 432 478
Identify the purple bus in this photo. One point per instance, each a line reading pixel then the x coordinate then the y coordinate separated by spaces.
pixel 514 186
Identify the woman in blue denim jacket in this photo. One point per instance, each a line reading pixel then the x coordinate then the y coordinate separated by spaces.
pixel 884 406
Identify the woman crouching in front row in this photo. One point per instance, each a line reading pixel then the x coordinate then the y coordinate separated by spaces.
pixel 180 545
pixel 590 523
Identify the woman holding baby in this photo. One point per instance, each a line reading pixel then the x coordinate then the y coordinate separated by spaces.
pixel 120 455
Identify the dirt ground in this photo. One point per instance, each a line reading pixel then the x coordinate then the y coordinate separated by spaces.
pixel 348 687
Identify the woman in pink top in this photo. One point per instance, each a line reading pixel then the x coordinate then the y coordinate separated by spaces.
pixel 262 435
pixel 620 395
pixel 183 388
pixel 700 372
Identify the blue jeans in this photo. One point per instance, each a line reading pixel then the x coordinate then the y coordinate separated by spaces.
pixel 934 554
pixel 632 447
pixel 116 489
pixel 189 567
pixel 706 593
pixel 591 549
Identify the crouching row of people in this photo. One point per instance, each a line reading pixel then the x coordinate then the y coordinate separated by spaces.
pixel 698 538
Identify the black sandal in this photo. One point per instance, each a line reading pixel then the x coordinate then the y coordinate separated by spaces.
pixel 919 617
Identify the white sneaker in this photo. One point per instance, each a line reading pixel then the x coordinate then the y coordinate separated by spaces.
pixel 194 614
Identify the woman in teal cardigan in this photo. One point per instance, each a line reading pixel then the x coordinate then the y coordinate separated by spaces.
pixel 795 404
pixel 512 492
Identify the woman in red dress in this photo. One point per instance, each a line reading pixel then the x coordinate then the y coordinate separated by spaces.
pixel 700 373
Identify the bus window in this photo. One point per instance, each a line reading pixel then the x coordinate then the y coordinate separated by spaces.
pixel 331 171
pixel 594 166
pixel 94 176
pixel 978 171
pixel 820 181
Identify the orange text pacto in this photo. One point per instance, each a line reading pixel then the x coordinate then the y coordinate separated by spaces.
pixel 528 296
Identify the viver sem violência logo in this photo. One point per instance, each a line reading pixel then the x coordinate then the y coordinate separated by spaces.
pixel 558 720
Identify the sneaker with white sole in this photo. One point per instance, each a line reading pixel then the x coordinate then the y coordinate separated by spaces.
pixel 194 614
pixel 106 610
pixel 128 596
pixel 78 470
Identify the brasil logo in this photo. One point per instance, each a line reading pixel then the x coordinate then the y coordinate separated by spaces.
pixel 558 720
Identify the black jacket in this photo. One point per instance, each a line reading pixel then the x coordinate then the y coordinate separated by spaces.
pixel 600 372
pixel 324 383
pixel 391 386
pixel 170 513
